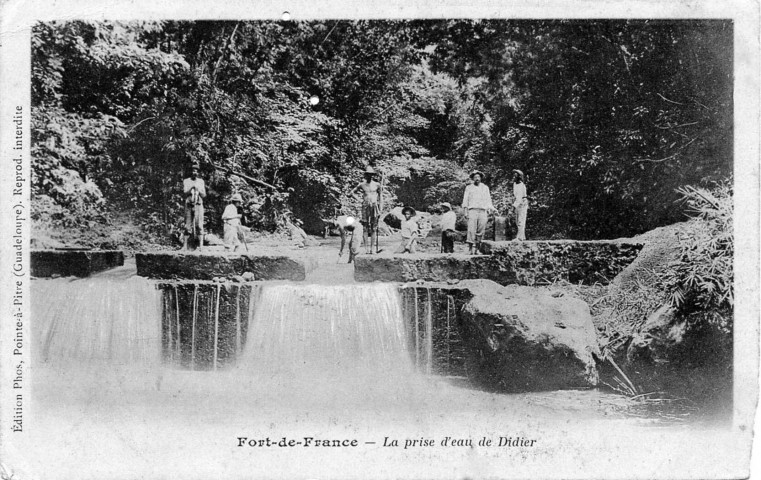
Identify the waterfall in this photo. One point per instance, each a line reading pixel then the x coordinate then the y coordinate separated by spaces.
pixel 303 328
pixel 448 341
pixel 277 328
pixel 97 321
pixel 420 325
pixel 434 330
pixel 428 332
pixel 205 324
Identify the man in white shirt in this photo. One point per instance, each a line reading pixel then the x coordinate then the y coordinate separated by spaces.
pixel 520 204
pixel 194 189
pixel 448 221
pixel 232 220
pixel 477 202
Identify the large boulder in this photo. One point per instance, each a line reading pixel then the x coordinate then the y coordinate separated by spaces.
pixel 384 230
pixel 395 217
pixel 658 335
pixel 683 354
pixel 299 237
pixel 660 247
pixel 526 339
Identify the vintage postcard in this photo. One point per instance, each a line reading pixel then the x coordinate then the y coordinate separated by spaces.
pixel 381 240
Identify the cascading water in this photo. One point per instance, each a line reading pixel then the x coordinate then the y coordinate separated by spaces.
pixel 96 322
pixel 327 328
pixel 272 329
pixel 433 325
pixel 205 324
pixel 293 360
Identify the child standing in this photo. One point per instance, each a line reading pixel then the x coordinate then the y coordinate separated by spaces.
pixel 448 234
pixel 410 231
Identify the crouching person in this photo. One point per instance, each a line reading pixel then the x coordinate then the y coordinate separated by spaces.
pixel 351 230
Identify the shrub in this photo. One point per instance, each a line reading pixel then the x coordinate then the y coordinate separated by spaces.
pixel 702 277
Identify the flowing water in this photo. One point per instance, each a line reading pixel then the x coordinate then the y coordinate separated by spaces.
pixel 330 329
pixel 117 376
pixel 96 322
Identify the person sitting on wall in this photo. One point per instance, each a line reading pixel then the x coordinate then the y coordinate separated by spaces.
pixel 194 189
pixel 350 228
pixel 410 232
pixel 232 218
pixel 448 233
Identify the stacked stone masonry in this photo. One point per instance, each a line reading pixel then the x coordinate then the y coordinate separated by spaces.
pixel 77 263
pixel 202 266
pixel 521 263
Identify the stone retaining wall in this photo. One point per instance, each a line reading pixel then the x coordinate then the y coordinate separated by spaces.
pixel 544 262
pixel 203 322
pixel 77 263
pixel 207 266
pixel 522 263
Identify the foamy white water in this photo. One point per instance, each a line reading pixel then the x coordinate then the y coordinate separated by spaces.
pixel 327 328
pixel 319 361
pixel 93 322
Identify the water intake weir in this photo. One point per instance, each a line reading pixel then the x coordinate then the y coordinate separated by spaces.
pixel 296 328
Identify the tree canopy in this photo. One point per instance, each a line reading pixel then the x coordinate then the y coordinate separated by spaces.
pixel 607 118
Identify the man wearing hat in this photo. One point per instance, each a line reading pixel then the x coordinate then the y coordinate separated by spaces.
pixel 371 191
pixel 194 189
pixel 477 202
pixel 448 234
pixel 232 220
pixel 520 204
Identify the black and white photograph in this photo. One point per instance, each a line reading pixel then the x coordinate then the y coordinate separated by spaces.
pixel 379 243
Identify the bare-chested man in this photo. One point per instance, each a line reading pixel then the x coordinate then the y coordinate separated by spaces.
pixel 371 191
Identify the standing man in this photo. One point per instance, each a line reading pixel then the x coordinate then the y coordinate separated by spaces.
pixel 448 221
pixel 371 191
pixel 477 202
pixel 520 204
pixel 194 189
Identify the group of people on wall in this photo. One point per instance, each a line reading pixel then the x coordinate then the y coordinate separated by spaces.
pixel 194 189
pixel 477 204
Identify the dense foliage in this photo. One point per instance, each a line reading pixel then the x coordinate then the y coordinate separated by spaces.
pixel 703 276
pixel 606 118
